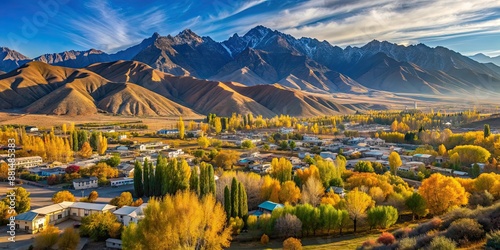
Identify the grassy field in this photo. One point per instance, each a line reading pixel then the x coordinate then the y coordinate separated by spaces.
pixel 47 121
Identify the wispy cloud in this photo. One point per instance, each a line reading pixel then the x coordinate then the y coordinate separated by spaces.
pixel 108 28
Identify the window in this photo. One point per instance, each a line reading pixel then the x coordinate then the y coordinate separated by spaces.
pixel 86 212
pixel 59 216
pixel 26 228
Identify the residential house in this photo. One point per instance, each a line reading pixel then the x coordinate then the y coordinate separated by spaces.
pixel 30 222
pixel 85 183
pixel 127 214
pixel 267 207
pixel 326 154
pixel 173 153
pixel 425 158
pixel 337 190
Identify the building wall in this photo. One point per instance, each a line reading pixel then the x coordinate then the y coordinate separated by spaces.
pixel 90 184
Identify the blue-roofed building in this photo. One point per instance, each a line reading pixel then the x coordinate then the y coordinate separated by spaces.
pixel 267 207
pixel 30 222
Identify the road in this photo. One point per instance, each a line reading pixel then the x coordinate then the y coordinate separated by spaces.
pixel 42 196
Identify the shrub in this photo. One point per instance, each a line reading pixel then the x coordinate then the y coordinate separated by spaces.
pixel 407 244
pixel 455 215
pixel 236 224
pixel 369 243
pixel 442 243
pixel 483 198
pixel 252 221
pixel 292 244
pixel 264 239
pixel 423 241
pixel 465 229
pixel 493 240
pixel 424 228
pixel 386 238
pixel 402 232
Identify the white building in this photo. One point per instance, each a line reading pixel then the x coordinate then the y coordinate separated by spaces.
pixel 284 130
pixel 28 162
pixel 85 183
pixel 115 182
pixel 128 214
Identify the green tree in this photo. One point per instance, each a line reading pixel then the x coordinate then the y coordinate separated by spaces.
pixel 98 226
pixel 382 216
pixel 22 199
pixel 194 182
pixel 76 143
pixel 247 144
pixel 364 166
pixel 138 184
pixel 114 160
pixel 160 176
pixel 417 205
pixel 235 199
pixel 146 178
pixel 487 131
pixel 152 182
pixel 94 140
pixel 243 203
pixel 227 202
pixel 475 171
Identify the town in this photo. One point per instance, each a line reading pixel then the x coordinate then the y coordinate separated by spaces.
pixel 95 183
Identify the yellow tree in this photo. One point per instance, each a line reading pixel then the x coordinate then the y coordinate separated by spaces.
pixel 181 128
pixel 203 142
pixel 226 159
pixel 86 150
pixel 303 175
pixel 442 193
pixel 217 125
pixel 69 239
pixel 395 162
pixel 441 150
pixel 102 145
pixel 281 169
pixel 289 193
pixel 394 125
pixel 270 189
pixel 64 128
pixel 71 127
pixel 63 196
pixel 180 221
pixel 357 203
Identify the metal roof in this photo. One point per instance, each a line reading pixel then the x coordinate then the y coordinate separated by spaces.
pixel 269 205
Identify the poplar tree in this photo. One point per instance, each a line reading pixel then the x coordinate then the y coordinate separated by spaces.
pixel 146 177
pixel 194 182
pixel 180 127
pixel 152 188
pixel 227 202
pixel 243 205
pixel 75 144
pixel 234 198
pixel 138 185
pixel 159 176
pixel 94 140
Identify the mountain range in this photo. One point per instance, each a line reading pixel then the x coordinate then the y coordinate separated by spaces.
pixel 264 71
pixel 482 58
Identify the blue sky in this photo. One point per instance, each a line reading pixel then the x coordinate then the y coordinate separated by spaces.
pixel 47 26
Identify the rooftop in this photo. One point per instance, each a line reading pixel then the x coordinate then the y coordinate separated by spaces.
pixel 53 208
pixel 92 206
pixel 28 216
pixel 269 205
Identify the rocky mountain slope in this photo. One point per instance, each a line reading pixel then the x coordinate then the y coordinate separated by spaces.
pixel 265 56
pixel 134 88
